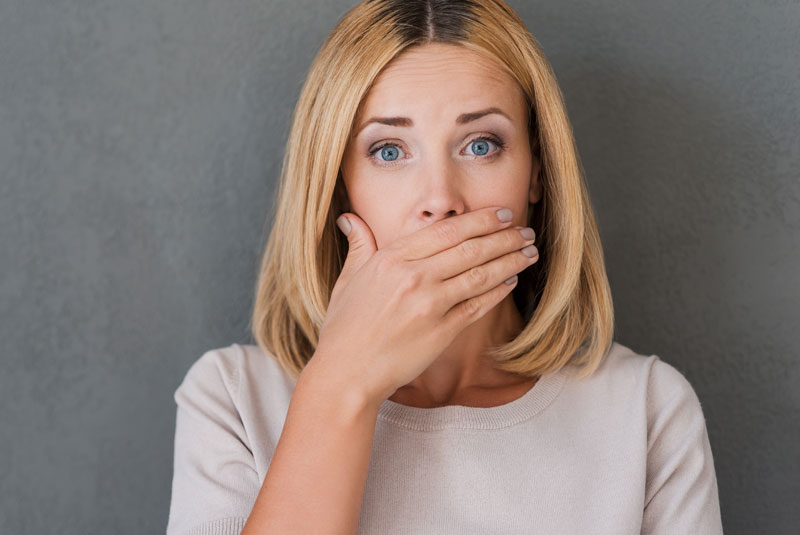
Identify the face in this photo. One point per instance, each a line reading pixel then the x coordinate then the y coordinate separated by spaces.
pixel 437 157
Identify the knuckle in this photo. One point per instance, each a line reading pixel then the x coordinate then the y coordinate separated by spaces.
pixel 471 307
pixel 469 250
pixel 446 231
pixel 478 275
pixel 427 307
pixel 513 239
pixel 411 280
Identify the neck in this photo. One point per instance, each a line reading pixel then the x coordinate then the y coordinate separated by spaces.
pixel 463 366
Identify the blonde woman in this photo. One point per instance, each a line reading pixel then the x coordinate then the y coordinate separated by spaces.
pixel 442 362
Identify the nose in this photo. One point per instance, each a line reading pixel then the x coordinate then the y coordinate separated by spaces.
pixel 441 193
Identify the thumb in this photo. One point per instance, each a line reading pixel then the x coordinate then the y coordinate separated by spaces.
pixel 361 242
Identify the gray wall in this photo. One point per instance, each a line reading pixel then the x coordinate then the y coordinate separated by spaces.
pixel 140 143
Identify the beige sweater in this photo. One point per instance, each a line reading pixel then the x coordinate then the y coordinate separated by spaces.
pixel 624 451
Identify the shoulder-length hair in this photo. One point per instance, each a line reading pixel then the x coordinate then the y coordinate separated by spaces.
pixel 565 298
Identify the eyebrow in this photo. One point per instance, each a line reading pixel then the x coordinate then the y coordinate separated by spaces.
pixel 464 118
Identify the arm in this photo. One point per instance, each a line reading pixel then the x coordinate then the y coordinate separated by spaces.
pixel 316 478
pixel 681 493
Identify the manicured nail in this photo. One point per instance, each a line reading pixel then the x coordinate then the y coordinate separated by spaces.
pixel 527 233
pixel 530 251
pixel 343 224
pixel 504 214
pixel 511 280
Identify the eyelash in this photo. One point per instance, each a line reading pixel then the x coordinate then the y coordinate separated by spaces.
pixel 494 139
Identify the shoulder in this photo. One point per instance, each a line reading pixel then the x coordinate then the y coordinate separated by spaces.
pixel 230 370
pixel 626 378
pixel 661 380
pixel 661 417
pixel 624 365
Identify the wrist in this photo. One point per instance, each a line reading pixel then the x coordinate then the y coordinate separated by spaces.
pixel 334 385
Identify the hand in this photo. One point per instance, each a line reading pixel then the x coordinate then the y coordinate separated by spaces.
pixel 393 311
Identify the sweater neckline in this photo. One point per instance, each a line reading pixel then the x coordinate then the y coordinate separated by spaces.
pixel 532 402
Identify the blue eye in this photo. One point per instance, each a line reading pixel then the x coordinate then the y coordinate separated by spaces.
pixel 390 152
pixel 483 147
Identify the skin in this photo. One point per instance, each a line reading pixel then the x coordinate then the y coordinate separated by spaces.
pixel 436 169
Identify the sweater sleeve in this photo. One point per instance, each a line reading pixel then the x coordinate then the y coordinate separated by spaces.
pixel 215 482
pixel 681 494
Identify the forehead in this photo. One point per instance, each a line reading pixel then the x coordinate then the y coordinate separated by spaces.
pixel 438 76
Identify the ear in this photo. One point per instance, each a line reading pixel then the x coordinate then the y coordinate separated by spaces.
pixel 536 190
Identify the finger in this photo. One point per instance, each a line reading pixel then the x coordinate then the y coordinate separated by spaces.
pixel 361 244
pixel 470 310
pixel 450 232
pixel 480 279
pixel 475 252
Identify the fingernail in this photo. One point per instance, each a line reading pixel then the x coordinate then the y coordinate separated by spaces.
pixel 344 225
pixel 504 214
pixel 530 251
pixel 527 233
pixel 511 280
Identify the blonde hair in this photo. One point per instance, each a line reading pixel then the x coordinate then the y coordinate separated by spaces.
pixel 565 298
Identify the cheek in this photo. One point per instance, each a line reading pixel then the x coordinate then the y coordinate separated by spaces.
pixel 365 198
pixel 381 213
pixel 513 194
pixel 384 229
pixel 511 189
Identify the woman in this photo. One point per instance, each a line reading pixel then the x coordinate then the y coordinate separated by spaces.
pixel 429 369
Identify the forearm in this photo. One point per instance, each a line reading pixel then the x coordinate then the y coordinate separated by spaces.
pixel 315 481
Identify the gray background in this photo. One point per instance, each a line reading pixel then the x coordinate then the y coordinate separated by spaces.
pixel 140 142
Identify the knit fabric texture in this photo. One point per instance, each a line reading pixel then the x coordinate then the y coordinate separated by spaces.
pixel 624 451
